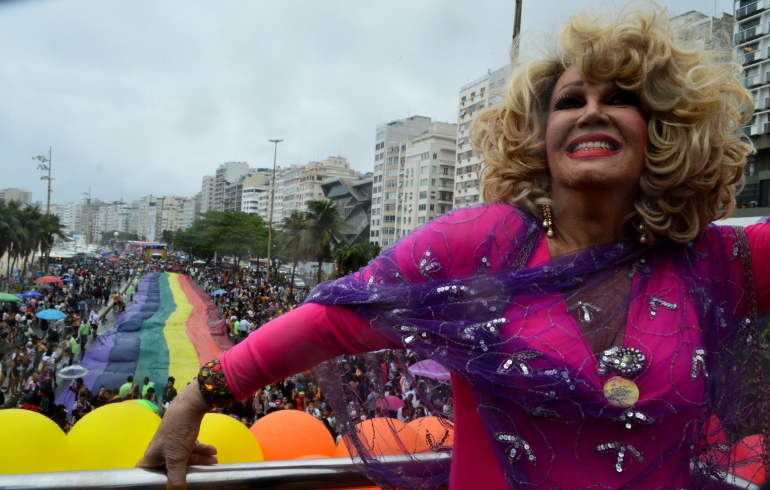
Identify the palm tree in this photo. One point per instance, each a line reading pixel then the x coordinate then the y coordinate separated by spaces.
pixel 352 256
pixel 292 229
pixel 52 228
pixel 12 232
pixel 323 231
pixel 34 223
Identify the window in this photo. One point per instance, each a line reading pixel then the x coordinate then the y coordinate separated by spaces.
pixel 391 184
pixel 435 156
pixel 390 196
pixel 434 169
pixel 424 169
pixel 388 219
pixel 445 170
pixel 390 207
pixel 432 207
pixel 432 181
pixel 423 182
pixel 389 231
pixel 420 220
pixel 463 99
pixel 391 172
pixel 375 210
pixel 421 207
pixel 423 194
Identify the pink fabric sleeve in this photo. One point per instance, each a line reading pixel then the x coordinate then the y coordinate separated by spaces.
pixel 759 245
pixel 295 342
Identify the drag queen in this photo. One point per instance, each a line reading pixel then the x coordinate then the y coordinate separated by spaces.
pixel 600 331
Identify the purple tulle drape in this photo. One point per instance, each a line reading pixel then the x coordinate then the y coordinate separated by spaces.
pixel 531 341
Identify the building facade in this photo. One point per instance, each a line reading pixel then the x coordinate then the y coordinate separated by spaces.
pixel 482 93
pixel 389 160
pixel 14 194
pixel 301 184
pixel 353 199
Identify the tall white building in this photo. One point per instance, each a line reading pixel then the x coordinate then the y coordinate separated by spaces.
pixel 71 216
pixel 226 174
pixel 13 194
pixel 389 159
pixel 428 180
pixel 207 193
pixel 475 96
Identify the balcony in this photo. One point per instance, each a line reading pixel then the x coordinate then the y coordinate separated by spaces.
pixel 767 127
pixel 748 34
pixel 750 9
pixel 751 57
pixel 751 81
pixel 750 130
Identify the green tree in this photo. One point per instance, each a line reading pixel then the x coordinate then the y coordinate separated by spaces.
pixel 293 247
pixel 350 257
pixel 323 230
pixel 235 234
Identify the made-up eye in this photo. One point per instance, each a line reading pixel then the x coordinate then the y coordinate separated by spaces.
pixel 566 102
pixel 624 97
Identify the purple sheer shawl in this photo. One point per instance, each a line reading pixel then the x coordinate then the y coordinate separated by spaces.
pixel 459 291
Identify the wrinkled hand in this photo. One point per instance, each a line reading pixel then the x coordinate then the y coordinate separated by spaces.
pixel 175 444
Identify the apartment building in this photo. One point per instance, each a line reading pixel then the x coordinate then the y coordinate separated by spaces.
pixel 207 193
pixel 482 93
pixel 425 182
pixel 13 194
pixel 303 183
pixel 389 160
pixel 752 41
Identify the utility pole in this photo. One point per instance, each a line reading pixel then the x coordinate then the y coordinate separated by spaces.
pixel 272 204
pixel 517 30
pixel 45 164
pixel 88 218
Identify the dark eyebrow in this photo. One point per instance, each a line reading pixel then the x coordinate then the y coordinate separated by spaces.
pixel 578 83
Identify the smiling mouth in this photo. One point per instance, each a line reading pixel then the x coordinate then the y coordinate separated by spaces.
pixel 592 149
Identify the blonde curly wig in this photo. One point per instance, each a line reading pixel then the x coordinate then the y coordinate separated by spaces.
pixel 695 102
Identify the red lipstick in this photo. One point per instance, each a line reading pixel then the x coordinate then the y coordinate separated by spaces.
pixel 593 152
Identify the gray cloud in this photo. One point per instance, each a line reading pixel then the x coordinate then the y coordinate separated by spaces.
pixel 145 97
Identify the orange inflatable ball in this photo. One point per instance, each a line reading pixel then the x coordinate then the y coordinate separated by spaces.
pixel 33 443
pixel 289 434
pixel 381 437
pixel 432 436
pixel 314 456
pixel 234 442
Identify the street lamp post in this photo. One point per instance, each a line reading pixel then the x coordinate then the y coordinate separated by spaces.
pixel 45 164
pixel 272 204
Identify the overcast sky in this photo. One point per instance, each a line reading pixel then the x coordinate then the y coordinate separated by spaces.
pixel 145 96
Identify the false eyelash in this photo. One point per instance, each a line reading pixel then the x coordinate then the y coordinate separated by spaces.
pixel 559 103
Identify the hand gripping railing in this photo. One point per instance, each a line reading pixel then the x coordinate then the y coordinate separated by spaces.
pixel 286 475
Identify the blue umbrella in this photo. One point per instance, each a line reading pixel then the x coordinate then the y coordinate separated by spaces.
pixel 51 315
pixel 66 279
pixel 219 292
pixel 31 294
pixel 107 253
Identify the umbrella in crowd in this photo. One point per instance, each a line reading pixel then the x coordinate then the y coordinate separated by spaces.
pixel 46 279
pixel 31 294
pixel 391 403
pixel 430 369
pixel 112 259
pixel 51 315
pixel 219 292
pixel 199 262
pixel 67 279
pixel 8 298
pixel 106 253
pixel 73 372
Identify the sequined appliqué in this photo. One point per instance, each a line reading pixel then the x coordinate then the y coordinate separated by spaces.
pixel 517 361
pixel 516 447
pixel 627 361
pixel 620 448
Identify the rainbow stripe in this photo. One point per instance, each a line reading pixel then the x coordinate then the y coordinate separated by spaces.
pixel 170 329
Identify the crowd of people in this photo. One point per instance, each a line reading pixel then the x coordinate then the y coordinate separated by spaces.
pixel 32 350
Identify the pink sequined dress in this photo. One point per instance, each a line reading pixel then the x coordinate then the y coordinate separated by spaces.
pixel 559 448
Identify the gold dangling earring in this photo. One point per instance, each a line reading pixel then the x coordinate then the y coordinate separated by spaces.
pixel 547 220
pixel 642 229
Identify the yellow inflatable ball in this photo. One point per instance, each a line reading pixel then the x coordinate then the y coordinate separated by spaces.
pixel 33 443
pixel 113 436
pixel 234 441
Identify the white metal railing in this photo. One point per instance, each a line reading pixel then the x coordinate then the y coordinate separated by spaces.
pixel 750 81
pixel 749 9
pixel 296 475
pixel 749 33
pixel 749 57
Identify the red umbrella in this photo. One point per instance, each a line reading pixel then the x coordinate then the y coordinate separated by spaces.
pixel 748 453
pixel 112 259
pixel 48 279
pixel 391 403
